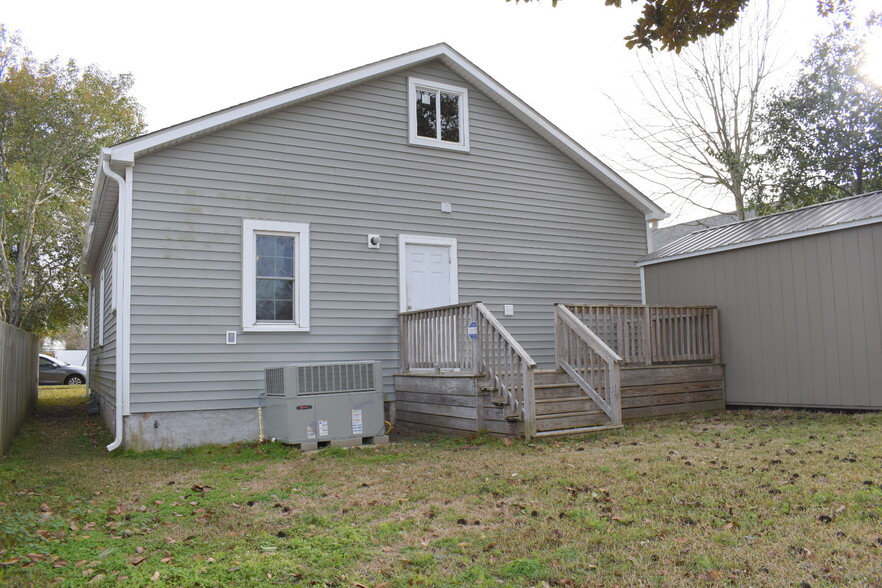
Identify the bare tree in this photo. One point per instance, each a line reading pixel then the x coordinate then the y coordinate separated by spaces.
pixel 701 140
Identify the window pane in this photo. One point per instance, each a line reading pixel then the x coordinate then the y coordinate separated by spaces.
pixel 285 246
pixel 265 310
pixel 275 256
pixel 265 245
pixel 284 290
pixel 450 117
pixel 275 300
pixel 266 289
pixel 265 266
pixel 284 311
pixel 425 114
pixel 284 267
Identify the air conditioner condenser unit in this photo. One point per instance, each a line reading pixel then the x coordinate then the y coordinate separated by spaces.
pixel 340 403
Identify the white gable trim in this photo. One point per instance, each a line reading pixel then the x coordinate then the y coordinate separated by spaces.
pixel 806 233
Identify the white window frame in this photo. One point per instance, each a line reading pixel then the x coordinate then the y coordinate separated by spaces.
pixel 101 307
pixel 403 242
pixel 92 320
pixel 300 232
pixel 415 83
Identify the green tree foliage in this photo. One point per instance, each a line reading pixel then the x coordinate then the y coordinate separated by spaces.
pixel 54 118
pixel 671 25
pixel 824 133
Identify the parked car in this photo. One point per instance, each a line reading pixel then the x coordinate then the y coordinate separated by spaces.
pixel 54 372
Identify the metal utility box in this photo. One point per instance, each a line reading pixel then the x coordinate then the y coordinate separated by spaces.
pixel 310 403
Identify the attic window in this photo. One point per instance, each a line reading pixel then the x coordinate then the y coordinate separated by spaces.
pixel 438 115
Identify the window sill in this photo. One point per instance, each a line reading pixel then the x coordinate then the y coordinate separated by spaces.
pixel 279 328
pixel 437 144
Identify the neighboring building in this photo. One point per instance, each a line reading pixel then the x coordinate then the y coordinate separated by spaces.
pixel 664 235
pixel 300 224
pixel 800 301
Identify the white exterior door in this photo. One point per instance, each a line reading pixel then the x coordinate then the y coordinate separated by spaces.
pixel 428 272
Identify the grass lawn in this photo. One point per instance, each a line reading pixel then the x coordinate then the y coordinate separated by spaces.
pixel 747 497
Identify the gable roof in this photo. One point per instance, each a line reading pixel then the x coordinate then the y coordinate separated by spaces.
pixel 835 215
pixel 125 154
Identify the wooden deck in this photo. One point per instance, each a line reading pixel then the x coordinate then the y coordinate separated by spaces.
pixel 651 361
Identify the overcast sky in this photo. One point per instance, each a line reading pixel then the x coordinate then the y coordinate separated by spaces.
pixel 190 58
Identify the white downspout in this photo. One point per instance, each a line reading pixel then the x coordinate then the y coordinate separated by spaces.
pixel 122 323
pixel 651 227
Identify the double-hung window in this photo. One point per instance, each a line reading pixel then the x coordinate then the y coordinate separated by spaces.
pixel 438 115
pixel 275 276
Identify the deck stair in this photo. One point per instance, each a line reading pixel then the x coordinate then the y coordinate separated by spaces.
pixel 561 406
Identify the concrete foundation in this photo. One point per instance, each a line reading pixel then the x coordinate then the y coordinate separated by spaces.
pixel 105 412
pixel 177 430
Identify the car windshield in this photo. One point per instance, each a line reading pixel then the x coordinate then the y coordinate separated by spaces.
pixel 55 360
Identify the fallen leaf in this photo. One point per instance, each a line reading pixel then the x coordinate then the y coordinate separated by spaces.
pixel 96 579
pixel 506 441
pixel 36 557
pixel 138 560
pixel 155 576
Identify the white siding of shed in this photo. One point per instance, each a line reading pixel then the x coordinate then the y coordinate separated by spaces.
pixel 800 319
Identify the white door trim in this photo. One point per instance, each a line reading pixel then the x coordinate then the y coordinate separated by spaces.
pixel 403 242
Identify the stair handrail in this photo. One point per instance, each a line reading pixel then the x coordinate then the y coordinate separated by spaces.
pixel 508 367
pixel 590 362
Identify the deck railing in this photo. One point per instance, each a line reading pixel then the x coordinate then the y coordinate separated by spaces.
pixel 589 362
pixel 655 335
pixel 509 368
pixel 439 339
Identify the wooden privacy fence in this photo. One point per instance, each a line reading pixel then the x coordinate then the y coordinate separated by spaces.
pixel 655 335
pixel 18 380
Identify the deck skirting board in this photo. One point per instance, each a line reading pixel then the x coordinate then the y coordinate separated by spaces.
pixel 457 405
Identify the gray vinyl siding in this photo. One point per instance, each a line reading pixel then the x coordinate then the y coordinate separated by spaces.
pixel 800 320
pixel 102 358
pixel 532 228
